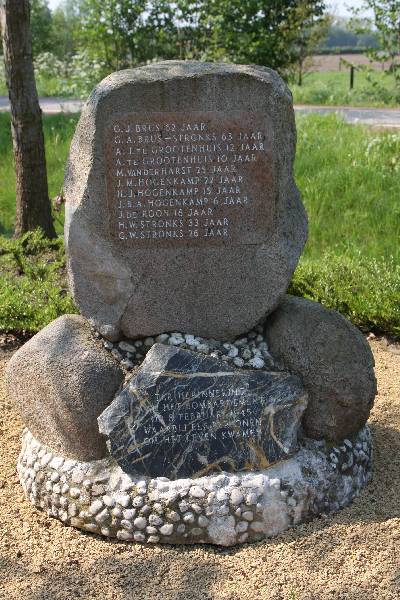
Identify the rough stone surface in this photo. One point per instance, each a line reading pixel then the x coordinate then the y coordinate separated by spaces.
pixel 61 380
pixel 318 479
pixel 143 291
pixel 333 360
pixel 184 414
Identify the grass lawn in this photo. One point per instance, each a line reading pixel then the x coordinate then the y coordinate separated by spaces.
pixel 349 179
pixel 332 88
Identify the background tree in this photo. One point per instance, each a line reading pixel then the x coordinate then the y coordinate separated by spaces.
pixel 250 31
pixel 41 26
pixel 385 21
pixel 313 31
pixel 32 200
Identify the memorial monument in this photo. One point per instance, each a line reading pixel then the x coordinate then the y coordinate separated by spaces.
pixel 192 400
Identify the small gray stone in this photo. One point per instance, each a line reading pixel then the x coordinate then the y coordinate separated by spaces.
pixel 95 507
pixel 103 516
pixel 61 380
pixel 248 515
pixel 127 347
pixel 334 361
pixel 203 521
pixel 153 539
pixel 140 523
pixel 124 535
pixel 167 529
pixel 189 517
pixel 108 501
pixel 236 497
pixel 197 492
pixel 139 537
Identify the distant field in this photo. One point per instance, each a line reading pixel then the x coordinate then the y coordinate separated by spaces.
pixel 376 89
pixel 332 62
pixel 348 176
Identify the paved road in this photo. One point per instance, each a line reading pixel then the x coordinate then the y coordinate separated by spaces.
pixel 376 117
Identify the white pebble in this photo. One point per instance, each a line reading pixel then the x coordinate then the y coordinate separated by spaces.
pixel 108 501
pixel 203 521
pixel 95 507
pixel 242 526
pixel 140 523
pixel 236 497
pixel 127 347
pixel 189 517
pixel 123 500
pixel 197 492
pixel 248 515
pixel 167 529
pixel 124 535
pixel 102 517
pixel 257 362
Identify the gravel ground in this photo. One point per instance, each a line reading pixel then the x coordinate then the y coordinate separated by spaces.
pixel 354 555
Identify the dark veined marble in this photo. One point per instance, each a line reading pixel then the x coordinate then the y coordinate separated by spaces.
pixel 184 414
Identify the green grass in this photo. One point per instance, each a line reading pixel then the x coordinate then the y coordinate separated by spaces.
pixel 332 88
pixel 348 176
pixel 33 289
pixel 58 131
pixel 46 87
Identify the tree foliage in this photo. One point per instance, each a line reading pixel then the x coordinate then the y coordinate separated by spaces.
pixel 124 32
pixel 385 21
pixel 251 31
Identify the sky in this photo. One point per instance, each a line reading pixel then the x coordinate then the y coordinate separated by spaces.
pixel 339 6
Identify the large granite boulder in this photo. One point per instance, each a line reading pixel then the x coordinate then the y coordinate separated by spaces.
pixel 184 414
pixel 61 380
pixel 334 361
pixel 181 208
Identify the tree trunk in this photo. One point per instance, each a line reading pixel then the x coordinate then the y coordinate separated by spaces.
pixel 32 197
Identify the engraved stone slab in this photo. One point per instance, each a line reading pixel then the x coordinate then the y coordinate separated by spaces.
pixel 181 209
pixel 187 415
pixel 189 178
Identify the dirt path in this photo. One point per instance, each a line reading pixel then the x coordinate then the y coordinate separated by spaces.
pixel 354 555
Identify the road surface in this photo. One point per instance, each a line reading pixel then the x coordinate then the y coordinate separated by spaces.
pixel 376 117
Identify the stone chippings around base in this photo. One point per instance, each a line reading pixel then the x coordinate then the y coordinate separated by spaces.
pixel 249 351
pixel 121 290
pixel 224 509
pixel 61 380
pixel 183 414
pixel 333 360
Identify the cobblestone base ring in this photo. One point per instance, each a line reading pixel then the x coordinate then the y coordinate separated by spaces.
pixel 223 509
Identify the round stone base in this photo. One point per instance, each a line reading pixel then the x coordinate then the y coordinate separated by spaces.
pixel 223 509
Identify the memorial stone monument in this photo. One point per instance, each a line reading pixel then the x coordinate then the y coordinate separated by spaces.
pixel 192 400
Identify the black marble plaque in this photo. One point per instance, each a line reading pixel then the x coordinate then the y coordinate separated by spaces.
pixel 184 414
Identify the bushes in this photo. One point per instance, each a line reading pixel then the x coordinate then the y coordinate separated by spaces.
pixel 366 291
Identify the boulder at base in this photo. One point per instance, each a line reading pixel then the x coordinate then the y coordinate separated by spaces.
pixel 187 415
pixel 181 209
pixel 334 361
pixel 61 380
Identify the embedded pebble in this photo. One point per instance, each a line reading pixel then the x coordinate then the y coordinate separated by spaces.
pixel 248 515
pixel 197 492
pixel 167 529
pixel 236 497
pixel 140 522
